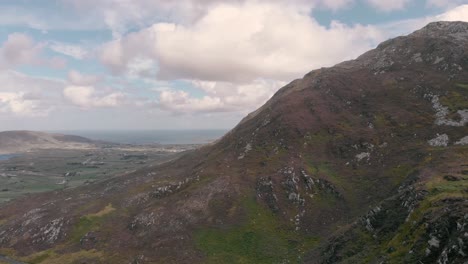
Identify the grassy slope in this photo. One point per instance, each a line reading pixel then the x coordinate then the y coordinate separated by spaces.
pixel 400 237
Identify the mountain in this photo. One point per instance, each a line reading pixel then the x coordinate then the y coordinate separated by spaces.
pixel 363 162
pixel 20 141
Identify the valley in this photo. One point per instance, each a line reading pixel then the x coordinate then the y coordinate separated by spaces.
pixel 59 169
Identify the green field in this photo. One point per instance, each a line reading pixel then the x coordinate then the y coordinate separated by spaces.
pixel 46 170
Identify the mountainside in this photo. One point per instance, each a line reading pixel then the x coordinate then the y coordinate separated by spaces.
pixel 18 141
pixel 363 162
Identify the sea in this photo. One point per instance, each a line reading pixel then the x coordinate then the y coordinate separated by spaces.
pixel 140 137
pixel 7 156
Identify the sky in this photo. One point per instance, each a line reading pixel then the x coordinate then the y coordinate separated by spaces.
pixel 186 64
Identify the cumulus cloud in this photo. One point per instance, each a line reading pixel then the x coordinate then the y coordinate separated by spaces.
pixel 181 102
pixel 87 97
pixel 20 104
pixel 232 50
pixel 122 15
pixel 26 96
pixel 21 49
pixel 23 95
pixel 236 53
pixel 133 54
pixel 241 42
pixel 141 68
pixel 459 13
pixel 220 97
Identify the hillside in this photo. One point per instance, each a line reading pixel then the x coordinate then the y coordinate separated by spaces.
pixel 363 162
pixel 20 141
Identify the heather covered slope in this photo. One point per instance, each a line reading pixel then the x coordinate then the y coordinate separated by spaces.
pixel 299 180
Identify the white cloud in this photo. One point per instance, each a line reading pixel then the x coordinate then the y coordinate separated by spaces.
pixel 181 102
pixel 19 49
pixel 231 51
pixel 87 97
pixel 446 3
pixel 119 55
pixel 121 15
pixel 77 78
pixel 27 96
pixel 141 68
pixel 23 95
pixel 13 81
pixel 389 5
pixel 237 53
pixel 74 51
pixel 19 104
pixel 241 42
pixel 402 27
pixel 459 13
pixel 220 97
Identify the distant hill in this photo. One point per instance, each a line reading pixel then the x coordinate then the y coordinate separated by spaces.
pixel 21 140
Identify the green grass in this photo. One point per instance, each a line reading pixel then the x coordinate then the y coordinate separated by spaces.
pixel 409 234
pixel 40 171
pixel 455 100
pixel 261 239
pixel 398 173
pixel 317 138
pixel 324 168
pixel 84 225
pixel 271 154
pixel 52 257
pixel 40 257
pixel 440 189
pixel 89 222
pixel 462 85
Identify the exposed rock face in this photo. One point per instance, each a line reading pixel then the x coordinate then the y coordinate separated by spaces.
pixel 345 165
pixel 442 112
pixel 463 141
pixel 439 141
pixel 453 31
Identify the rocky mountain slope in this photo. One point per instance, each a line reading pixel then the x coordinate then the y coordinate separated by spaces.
pixel 364 162
pixel 20 141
